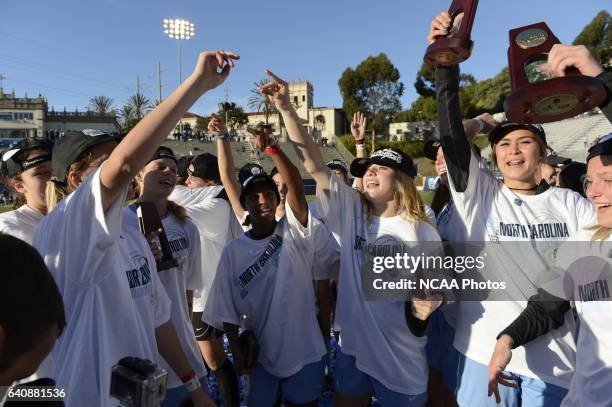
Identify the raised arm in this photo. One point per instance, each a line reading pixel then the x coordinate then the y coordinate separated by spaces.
pixel 454 142
pixel 226 164
pixel 295 186
pixel 358 127
pixel 140 144
pixel 278 92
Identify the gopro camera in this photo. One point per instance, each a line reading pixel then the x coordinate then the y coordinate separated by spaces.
pixel 138 382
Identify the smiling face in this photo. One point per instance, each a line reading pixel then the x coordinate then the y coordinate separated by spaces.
pixel 33 182
pixel 261 204
pixel 598 188
pixel 158 178
pixel 379 184
pixel 518 156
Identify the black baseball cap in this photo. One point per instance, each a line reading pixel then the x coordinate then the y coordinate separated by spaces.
pixel 555 160
pixel 14 162
pixel 603 146
pixel 258 179
pixel 248 170
pixel 204 166
pixel 505 127
pixel 337 164
pixel 430 147
pixel 389 157
pixel 163 152
pixel 69 148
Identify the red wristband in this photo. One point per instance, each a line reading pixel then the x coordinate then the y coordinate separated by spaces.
pixel 359 141
pixel 272 150
pixel 188 376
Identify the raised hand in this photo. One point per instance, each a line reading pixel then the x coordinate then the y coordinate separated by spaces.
pixel 261 138
pixel 562 56
pixel 277 91
pixel 502 354
pixel 488 121
pixel 439 27
pixel 213 67
pixel 216 126
pixel 358 126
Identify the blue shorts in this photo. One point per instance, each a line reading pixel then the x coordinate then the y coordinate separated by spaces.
pixel 473 384
pixel 302 387
pixel 353 382
pixel 176 395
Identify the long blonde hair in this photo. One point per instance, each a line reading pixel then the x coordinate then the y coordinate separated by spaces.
pixel 57 190
pixel 408 202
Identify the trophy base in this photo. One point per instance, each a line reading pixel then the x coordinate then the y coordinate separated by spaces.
pixel 554 99
pixel 449 51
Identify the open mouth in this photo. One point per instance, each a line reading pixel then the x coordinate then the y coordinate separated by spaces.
pixel 167 183
pixel 371 184
pixel 515 163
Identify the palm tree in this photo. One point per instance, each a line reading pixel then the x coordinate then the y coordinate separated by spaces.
pixel 102 105
pixel 140 105
pixel 127 117
pixel 259 102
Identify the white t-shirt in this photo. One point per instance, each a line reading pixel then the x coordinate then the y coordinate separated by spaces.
pixel 216 227
pixel 374 332
pixel 112 295
pixel 20 223
pixel 492 213
pixel 586 267
pixel 269 281
pixel 184 242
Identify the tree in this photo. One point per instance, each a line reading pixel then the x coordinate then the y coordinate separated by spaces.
pixel 140 105
pixel 597 37
pixel 128 120
pixel 233 115
pixel 102 105
pixel 259 102
pixel 425 83
pixel 202 123
pixel 373 88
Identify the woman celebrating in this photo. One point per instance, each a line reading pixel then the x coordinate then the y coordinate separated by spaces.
pixel 380 355
pixel 487 207
pixel 266 277
pixel 28 167
pixel 155 182
pixel 115 306
pixel 585 261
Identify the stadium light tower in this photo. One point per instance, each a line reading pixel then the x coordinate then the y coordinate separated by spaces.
pixel 180 30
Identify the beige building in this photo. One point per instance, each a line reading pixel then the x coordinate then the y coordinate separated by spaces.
pixel 57 123
pixel 320 122
pixel 21 117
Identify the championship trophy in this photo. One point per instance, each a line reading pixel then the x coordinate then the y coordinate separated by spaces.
pixel 536 96
pixel 456 46
pixel 150 222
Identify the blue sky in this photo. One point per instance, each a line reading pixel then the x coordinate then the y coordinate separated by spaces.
pixel 70 50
